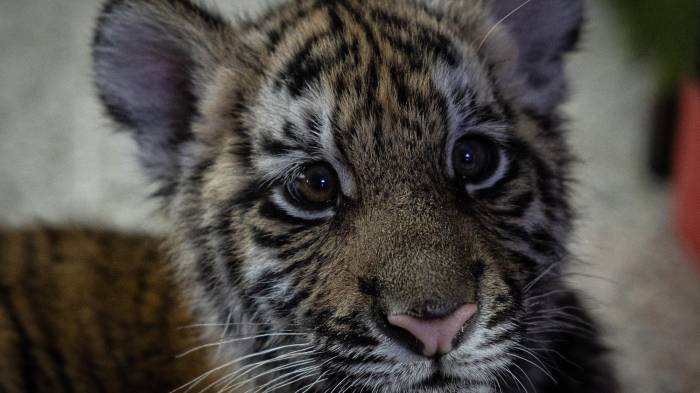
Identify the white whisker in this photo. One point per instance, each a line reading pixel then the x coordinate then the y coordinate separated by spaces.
pixel 501 21
pixel 274 370
pixel 249 368
pixel 230 379
pixel 230 341
pixel 197 380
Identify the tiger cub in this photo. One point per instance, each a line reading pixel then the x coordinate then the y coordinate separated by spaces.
pixel 92 311
pixel 364 195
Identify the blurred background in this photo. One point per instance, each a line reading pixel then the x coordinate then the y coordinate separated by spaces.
pixel 635 121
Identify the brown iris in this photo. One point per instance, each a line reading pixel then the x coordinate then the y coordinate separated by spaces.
pixel 315 187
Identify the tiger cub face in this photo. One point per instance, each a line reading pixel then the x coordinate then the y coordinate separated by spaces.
pixel 364 195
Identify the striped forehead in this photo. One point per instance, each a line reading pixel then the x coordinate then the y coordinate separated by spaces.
pixel 348 79
pixel 292 130
pixel 320 36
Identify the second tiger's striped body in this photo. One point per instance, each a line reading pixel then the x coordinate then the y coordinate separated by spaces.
pixel 92 311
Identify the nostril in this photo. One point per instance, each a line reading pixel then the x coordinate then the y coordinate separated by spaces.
pixel 430 311
pixel 435 336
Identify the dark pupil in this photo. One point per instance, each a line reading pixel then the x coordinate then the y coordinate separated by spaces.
pixel 467 155
pixel 474 159
pixel 319 181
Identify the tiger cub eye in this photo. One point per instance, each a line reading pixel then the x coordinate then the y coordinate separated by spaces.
pixel 474 159
pixel 316 186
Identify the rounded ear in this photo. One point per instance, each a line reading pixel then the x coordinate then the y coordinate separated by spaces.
pixel 151 59
pixel 543 31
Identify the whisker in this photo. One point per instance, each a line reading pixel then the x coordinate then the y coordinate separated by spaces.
pixel 284 377
pixel 340 383
pixel 198 325
pixel 296 376
pixel 547 294
pixel 225 332
pixel 534 281
pixel 319 379
pixel 501 21
pixel 498 384
pixel 516 379
pixel 230 341
pixel 274 370
pixel 530 352
pixel 204 375
pixel 230 379
pixel 546 372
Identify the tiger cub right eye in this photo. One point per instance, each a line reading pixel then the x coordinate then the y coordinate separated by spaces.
pixel 315 187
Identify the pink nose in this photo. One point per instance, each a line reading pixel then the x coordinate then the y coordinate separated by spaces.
pixel 436 335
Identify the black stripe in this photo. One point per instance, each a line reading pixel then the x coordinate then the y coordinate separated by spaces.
pixel 520 204
pixel 275 35
pixel 267 239
pixel 336 23
pixel 303 68
pixel 295 250
pixel 26 361
pixel 360 19
pixel 90 369
pixel 506 231
pixel 271 211
pixel 369 286
pixel 242 149
pixel 371 79
pixel 508 312
pixel 54 237
pixel 501 316
pixel 250 194
pixel 41 321
pixel 264 284
pixel 525 260
pixel 274 147
pixel 543 242
pixel 505 107
pixel 104 320
pixel 502 336
pixel 291 132
pixel 428 40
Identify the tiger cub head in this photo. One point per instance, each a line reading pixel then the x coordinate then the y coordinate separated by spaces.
pixel 363 195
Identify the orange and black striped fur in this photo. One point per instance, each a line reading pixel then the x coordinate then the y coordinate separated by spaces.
pixel 364 195
pixel 91 311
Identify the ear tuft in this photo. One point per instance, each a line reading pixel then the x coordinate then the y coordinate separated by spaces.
pixel 543 32
pixel 150 58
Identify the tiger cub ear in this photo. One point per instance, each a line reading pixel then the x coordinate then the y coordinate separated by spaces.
pixel 151 59
pixel 543 31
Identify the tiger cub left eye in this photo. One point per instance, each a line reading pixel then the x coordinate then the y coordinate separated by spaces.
pixel 475 159
pixel 315 187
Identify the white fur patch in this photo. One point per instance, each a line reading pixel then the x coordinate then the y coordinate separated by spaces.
pixel 276 107
pixel 470 77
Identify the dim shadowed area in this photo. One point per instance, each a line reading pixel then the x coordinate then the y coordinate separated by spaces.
pixel 61 163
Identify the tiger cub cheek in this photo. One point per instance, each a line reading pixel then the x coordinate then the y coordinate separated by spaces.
pixel 338 291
